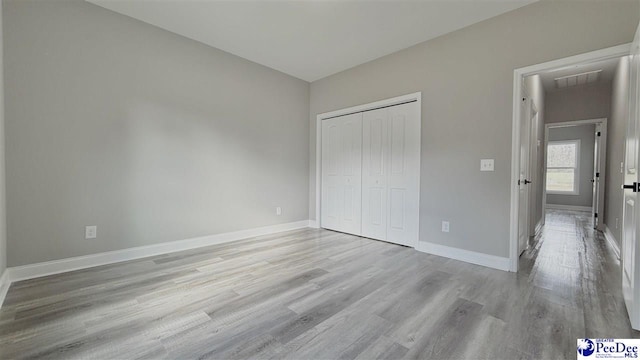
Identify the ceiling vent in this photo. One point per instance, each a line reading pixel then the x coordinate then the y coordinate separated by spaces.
pixel 577 79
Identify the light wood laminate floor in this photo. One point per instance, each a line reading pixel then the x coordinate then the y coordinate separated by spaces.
pixel 317 294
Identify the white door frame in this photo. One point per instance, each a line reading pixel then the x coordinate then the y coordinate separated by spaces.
pixel 417 97
pixel 518 80
pixel 533 166
pixel 602 153
pixel 526 103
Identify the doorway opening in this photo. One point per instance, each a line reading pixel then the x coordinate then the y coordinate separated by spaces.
pixel 552 103
pixel 575 120
pixel 575 167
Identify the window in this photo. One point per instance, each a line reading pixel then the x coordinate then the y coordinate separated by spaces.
pixel 563 159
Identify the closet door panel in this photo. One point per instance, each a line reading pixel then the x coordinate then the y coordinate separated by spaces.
pixel 331 178
pixel 403 181
pixel 351 132
pixel 341 205
pixel 374 174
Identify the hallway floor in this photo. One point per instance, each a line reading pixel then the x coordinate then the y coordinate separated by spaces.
pixel 574 280
pixel 318 294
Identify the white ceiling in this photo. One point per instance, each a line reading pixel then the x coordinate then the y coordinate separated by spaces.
pixel 607 67
pixel 311 39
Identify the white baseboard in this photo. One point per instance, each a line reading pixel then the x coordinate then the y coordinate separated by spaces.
pixel 31 271
pixel 612 240
pixel 314 224
pixel 492 261
pixel 568 207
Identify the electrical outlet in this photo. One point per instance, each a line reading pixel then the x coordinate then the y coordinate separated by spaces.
pixel 91 232
pixel 278 211
pixel 445 226
pixel 486 165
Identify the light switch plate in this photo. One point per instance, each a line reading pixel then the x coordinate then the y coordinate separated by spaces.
pixel 486 165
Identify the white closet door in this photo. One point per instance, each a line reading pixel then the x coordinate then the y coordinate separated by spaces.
pixel 331 174
pixel 342 173
pixel 404 174
pixel 374 173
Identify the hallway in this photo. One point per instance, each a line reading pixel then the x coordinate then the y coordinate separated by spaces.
pixel 575 275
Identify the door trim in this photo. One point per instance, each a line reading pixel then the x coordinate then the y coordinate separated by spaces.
pixel 417 97
pixel 518 81
pixel 527 103
pixel 534 152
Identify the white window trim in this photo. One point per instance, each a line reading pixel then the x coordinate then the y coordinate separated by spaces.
pixel 576 177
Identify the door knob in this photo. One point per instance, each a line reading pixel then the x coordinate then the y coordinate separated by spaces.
pixel 633 187
pixel 527 182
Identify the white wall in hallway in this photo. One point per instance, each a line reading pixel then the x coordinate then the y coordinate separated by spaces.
pixel 616 132
pixel 591 101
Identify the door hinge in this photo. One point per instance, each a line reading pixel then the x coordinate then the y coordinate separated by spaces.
pixel 599 133
pixel 597 174
pixel 595 215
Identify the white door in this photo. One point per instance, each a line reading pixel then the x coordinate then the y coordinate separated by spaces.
pixel 391 174
pixel 341 173
pixel 595 179
pixel 630 257
pixel 404 174
pixel 523 178
pixel 375 137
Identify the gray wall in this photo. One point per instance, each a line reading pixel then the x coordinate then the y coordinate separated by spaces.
pixel 466 80
pixel 583 102
pixel 535 90
pixel 586 135
pixel 146 134
pixel 3 213
pixel 616 130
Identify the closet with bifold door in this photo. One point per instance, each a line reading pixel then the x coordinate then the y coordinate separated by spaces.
pixel 371 173
pixel 342 173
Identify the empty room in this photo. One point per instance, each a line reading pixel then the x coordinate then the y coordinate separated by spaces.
pixel 310 179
